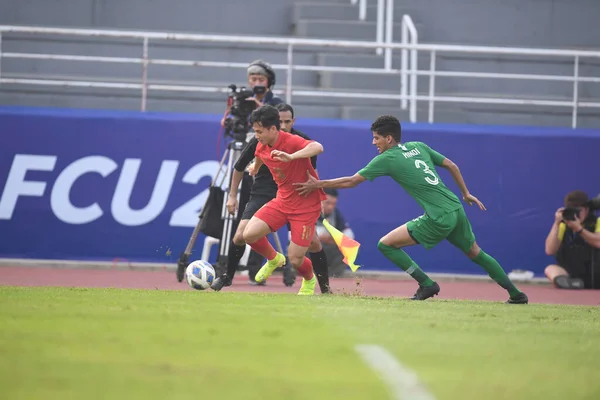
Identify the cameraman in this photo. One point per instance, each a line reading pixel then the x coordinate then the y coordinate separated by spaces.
pixel 261 78
pixel 264 189
pixel 575 241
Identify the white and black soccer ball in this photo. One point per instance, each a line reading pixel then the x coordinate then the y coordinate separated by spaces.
pixel 200 275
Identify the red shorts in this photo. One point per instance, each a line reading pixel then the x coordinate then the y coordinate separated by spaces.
pixel 302 224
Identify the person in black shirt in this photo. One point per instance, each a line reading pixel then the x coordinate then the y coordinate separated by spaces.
pixel 263 190
pixel 260 74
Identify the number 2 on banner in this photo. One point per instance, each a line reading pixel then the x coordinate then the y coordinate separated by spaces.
pixel 434 179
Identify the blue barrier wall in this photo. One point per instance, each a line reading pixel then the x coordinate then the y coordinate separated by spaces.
pixel 101 185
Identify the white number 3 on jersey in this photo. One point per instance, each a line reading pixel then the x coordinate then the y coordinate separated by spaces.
pixel 434 179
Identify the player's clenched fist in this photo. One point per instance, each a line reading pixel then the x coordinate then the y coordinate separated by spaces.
pixel 232 205
pixel 255 166
pixel 281 156
pixel 252 169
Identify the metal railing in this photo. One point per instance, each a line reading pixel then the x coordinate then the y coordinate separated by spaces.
pixel 409 33
pixel 434 49
pixel 380 25
pixel 385 23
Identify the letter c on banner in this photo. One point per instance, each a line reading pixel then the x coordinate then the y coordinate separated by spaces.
pixel 59 200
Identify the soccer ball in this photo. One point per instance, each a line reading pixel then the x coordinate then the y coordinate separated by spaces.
pixel 200 275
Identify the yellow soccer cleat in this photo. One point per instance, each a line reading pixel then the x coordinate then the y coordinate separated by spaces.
pixel 265 272
pixel 308 287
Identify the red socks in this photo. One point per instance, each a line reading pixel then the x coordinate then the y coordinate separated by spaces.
pixel 306 269
pixel 264 248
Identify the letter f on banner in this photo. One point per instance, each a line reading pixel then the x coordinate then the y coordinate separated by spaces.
pixel 16 185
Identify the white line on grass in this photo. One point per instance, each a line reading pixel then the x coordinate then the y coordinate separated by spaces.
pixel 401 381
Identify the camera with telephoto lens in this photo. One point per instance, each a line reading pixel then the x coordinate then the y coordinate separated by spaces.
pixel 570 213
pixel 594 204
pixel 237 125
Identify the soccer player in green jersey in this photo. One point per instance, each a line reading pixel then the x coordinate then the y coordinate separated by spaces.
pixel 412 165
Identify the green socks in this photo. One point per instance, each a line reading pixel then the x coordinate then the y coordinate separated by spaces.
pixel 489 264
pixel 403 260
pixel 496 272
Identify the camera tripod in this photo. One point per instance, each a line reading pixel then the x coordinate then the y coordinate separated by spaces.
pixel 230 222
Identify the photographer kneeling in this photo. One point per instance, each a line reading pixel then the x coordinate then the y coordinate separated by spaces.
pixel 575 241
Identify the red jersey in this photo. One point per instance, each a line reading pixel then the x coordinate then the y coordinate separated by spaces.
pixel 285 174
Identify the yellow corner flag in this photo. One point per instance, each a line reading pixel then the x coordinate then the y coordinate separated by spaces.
pixel 347 246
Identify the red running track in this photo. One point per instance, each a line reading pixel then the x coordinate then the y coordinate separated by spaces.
pixel 165 280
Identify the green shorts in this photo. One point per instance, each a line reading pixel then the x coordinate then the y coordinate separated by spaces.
pixel 453 226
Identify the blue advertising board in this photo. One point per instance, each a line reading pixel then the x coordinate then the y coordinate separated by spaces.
pixel 100 185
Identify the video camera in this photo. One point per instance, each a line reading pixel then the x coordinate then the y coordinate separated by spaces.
pixel 237 125
pixel 594 203
pixel 570 213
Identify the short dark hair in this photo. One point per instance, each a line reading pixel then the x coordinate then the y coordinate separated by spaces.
pixel 266 115
pixel 285 107
pixel 576 198
pixel 387 125
pixel 331 191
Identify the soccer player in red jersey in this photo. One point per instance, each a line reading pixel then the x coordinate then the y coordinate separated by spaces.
pixel 288 158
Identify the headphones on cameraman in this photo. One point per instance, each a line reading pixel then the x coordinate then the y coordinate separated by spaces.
pixel 266 67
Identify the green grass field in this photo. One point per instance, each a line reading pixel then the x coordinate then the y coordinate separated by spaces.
pixel 65 343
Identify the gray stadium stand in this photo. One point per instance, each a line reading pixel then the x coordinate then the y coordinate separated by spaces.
pixel 517 23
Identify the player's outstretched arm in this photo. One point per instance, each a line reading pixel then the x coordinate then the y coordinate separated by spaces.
pixel 310 150
pixel 344 182
pixel 458 178
pixel 312 183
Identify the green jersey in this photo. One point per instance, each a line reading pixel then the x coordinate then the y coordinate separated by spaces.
pixel 412 165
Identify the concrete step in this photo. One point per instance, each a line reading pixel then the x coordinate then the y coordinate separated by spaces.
pixel 512 23
pixel 360 81
pixel 388 83
pixel 226 52
pixel 509 114
pixel 354 98
pixel 108 99
pixel 447 113
pixel 383 82
pixel 517 65
pixel 482 114
pixel 357 60
pixel 346 30
pixel 502 114
pixel 341 11
pixel 222 17
pixel 309 110
pixel 318 100
pixel 122 47
pixel 194 103
pixel 449 85
pixel 119 99
pixel 133 72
